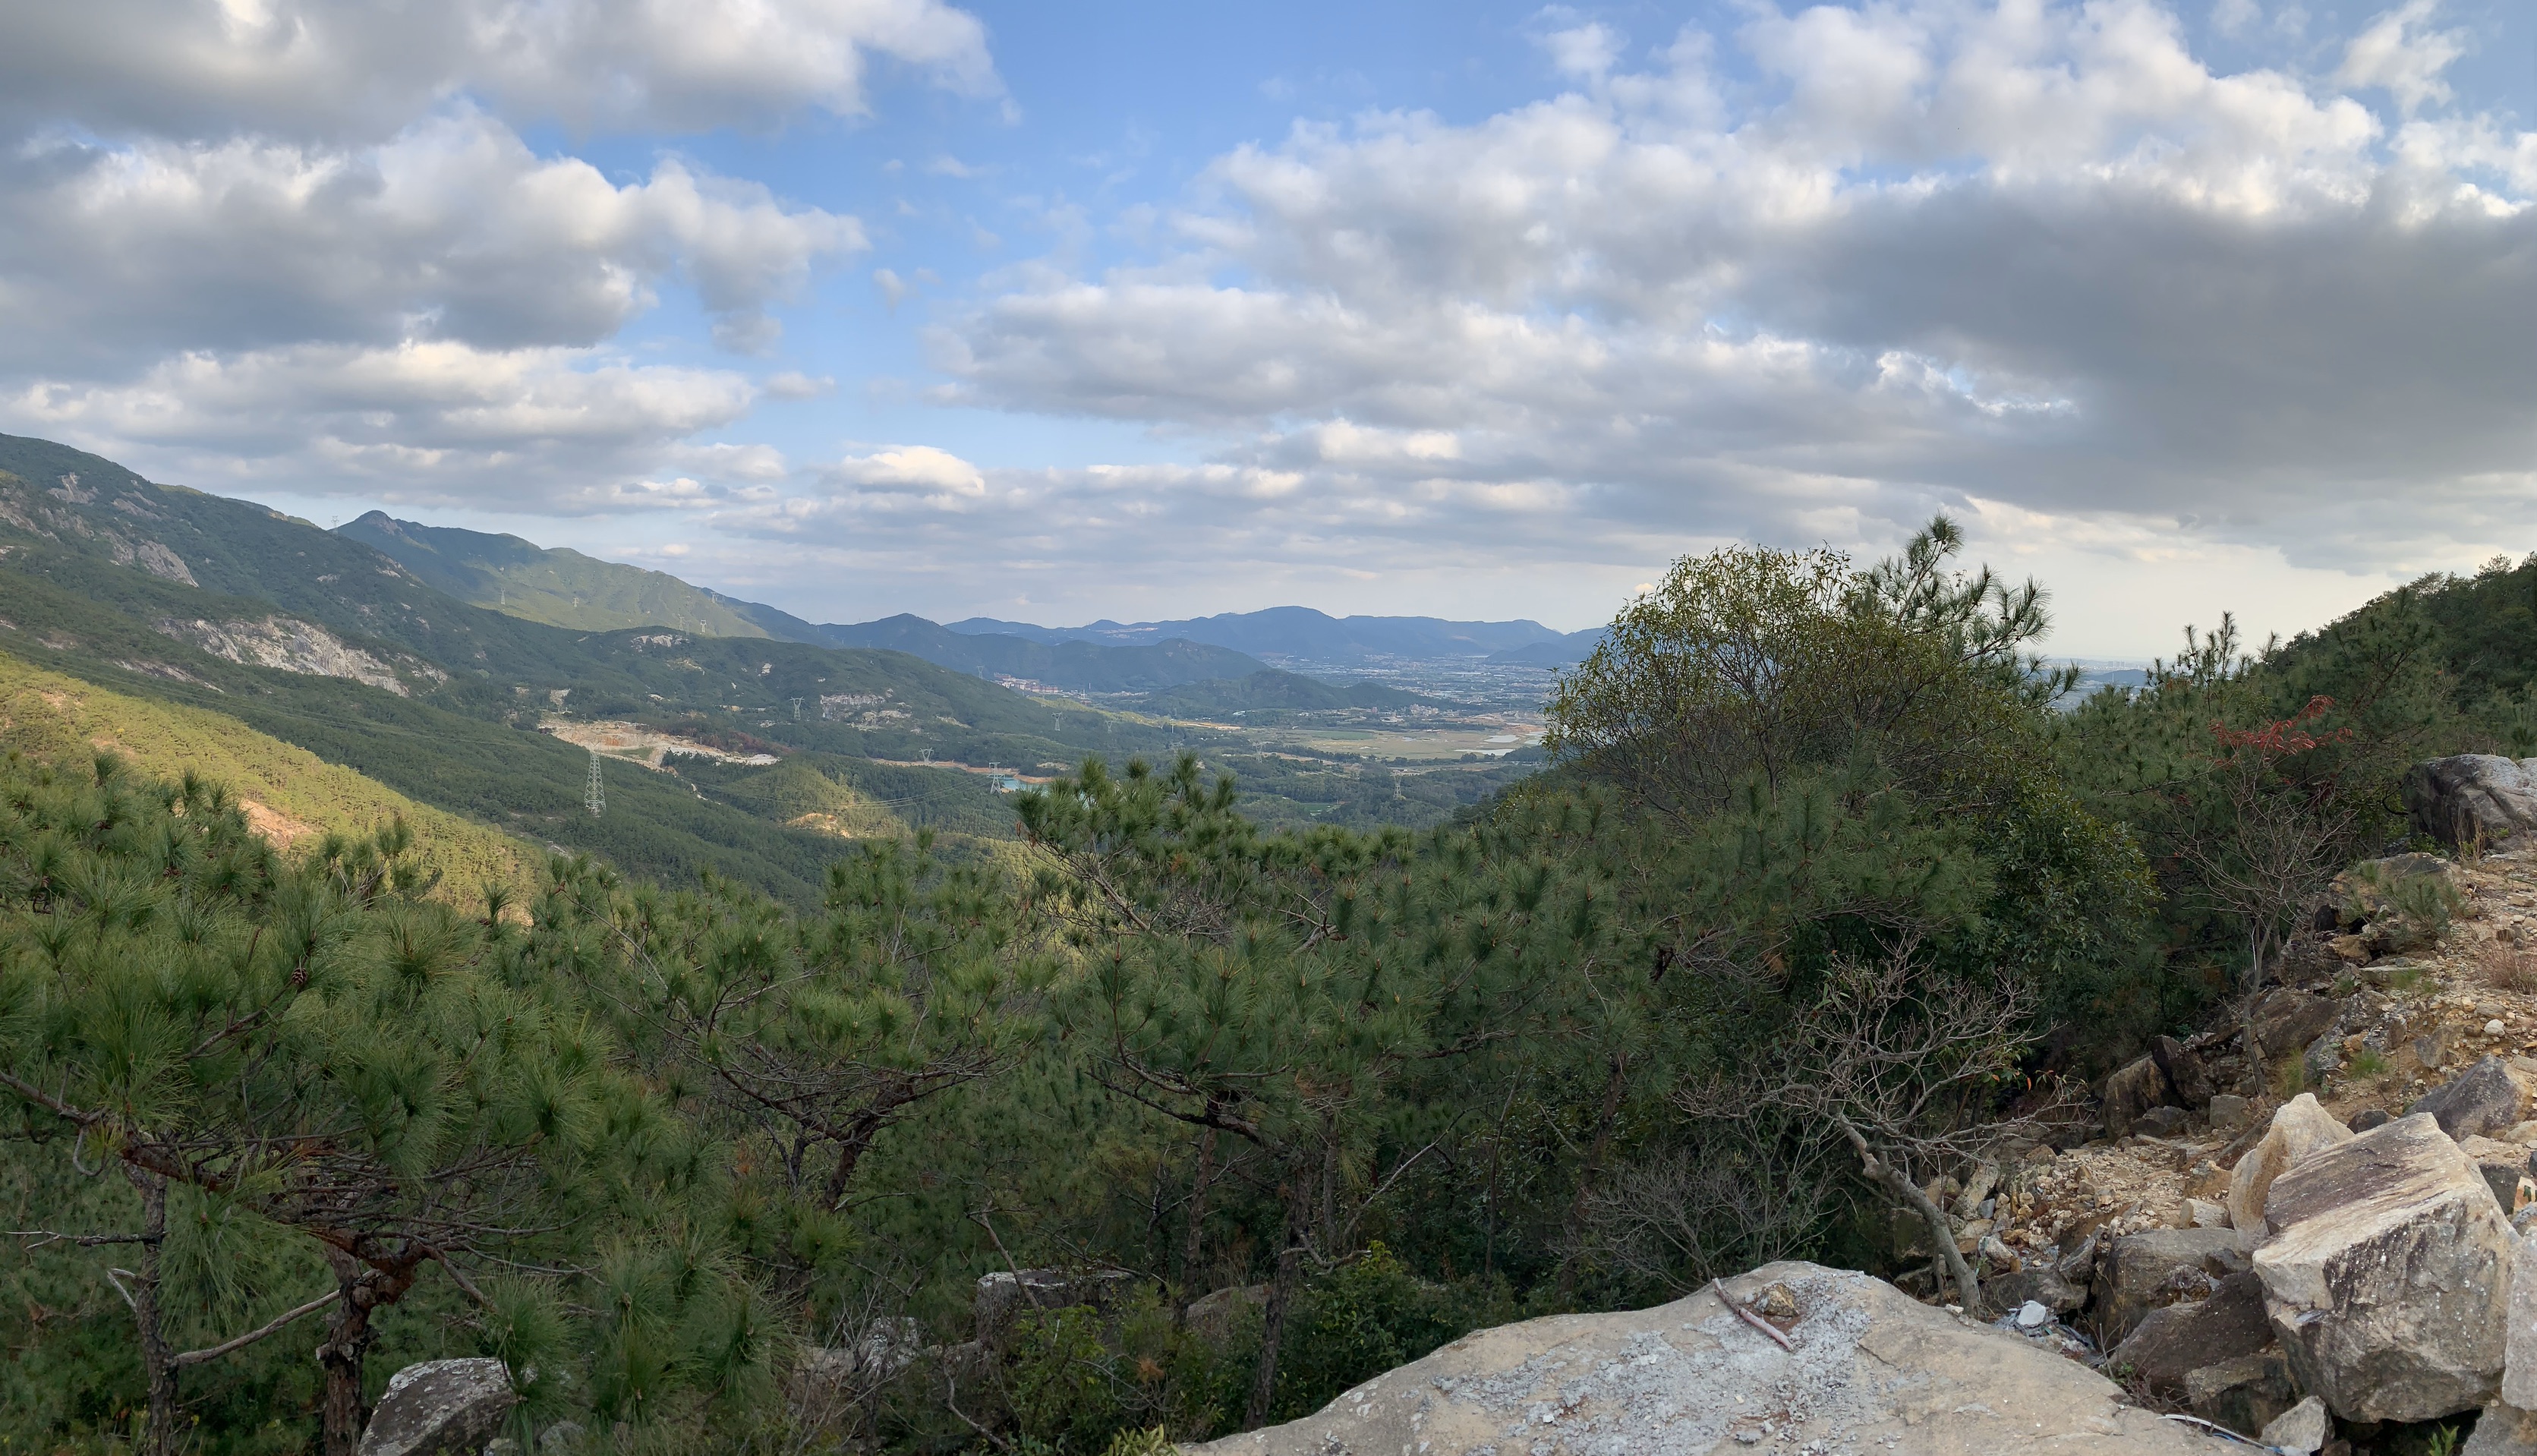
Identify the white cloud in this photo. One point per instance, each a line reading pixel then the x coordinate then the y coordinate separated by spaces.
pixel 431 421
pixel 2400 52
pixel 339 69
pixel 1586 49
pixel 2040 255
pixel 936 475
pixel 453 229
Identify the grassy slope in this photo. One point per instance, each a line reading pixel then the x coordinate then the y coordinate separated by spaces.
pixel 48 714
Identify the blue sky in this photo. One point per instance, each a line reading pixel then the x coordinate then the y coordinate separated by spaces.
pixel 1142 310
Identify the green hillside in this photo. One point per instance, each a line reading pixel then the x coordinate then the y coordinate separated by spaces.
pixel 311 638
pixel 557 586
pixel 290 795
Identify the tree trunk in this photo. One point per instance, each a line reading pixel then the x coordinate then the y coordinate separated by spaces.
pixel 1894 1180
pixel 361 1292
pixel 2246 1019
pixel 1193 1242
pixel 1281 1290
pixel 348 1344
pixel 154 1362
pixel 1589 1174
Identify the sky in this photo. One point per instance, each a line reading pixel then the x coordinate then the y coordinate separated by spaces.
pixel 1144 310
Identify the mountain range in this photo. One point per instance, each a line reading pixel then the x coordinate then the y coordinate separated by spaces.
pixel 566 589
pixel 1304 635
pixel 163 605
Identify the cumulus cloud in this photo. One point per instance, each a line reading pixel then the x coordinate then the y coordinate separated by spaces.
pixel 303 244
pixel 452 230
pixel 2403 53
pixel 343 70
pixel 2040 255
pixel 423 421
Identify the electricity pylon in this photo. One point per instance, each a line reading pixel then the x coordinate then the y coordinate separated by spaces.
pixel 592 799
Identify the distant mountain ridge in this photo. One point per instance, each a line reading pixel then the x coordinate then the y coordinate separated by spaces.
pixel 566 588
pixel 1301 633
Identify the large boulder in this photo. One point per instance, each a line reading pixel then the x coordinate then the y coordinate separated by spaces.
pixel 2185 1071
pixel 2300 1128
pixel 2492 1096
pixel 2153 1268
pixel 2176 1340
pixel 441 1408
pixel 1867 1369
pixel 2388 1275
pixel 2473 797
pixel 2131 1090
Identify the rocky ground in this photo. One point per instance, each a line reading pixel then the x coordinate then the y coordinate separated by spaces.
pixel 2367 1032
pixel 2227 1246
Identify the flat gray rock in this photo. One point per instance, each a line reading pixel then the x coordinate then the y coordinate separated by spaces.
pixel 1871 1371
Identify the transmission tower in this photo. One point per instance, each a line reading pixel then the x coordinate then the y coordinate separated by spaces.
pixel 592 799
pixel 796 710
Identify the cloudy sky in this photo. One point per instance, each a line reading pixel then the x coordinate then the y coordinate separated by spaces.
pixel 1451 306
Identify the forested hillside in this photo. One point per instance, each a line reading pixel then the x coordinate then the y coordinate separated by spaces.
pixel 1362 1089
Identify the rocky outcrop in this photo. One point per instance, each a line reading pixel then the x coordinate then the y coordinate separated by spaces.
pixel 289 645
pixel 2038 1284
pixel 2387 1273
pixel 2473 797
pixel 2299 1128
pixel 2519 1341
pixel 441 1408
pixel 1865 1369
